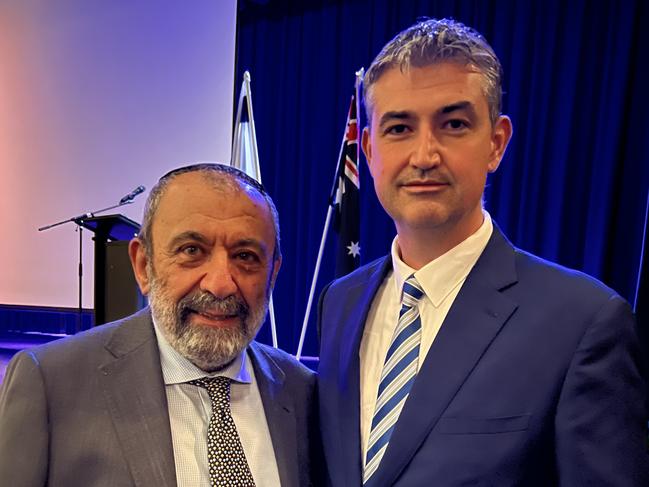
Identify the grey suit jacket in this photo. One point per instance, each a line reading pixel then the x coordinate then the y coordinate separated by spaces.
pixel 91 410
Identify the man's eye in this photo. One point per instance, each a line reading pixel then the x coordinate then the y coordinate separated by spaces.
pixel 456 124
pixel 190 250
pixel 397 129
pixel 247 257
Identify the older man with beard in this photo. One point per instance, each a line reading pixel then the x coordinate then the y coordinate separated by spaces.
pixel 178 394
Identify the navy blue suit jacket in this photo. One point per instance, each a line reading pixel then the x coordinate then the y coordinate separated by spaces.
pixel 532 380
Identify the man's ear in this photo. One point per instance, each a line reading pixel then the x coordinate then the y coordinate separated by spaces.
pixel 139 260
pixel 366 144
pixel 500 137
pixel 276 265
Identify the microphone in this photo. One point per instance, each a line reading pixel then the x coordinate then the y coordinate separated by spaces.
pixel 132 194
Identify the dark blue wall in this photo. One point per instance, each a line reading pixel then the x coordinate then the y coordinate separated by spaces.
pixel 573 185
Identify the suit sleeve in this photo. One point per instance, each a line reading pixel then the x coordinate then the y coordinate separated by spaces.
pixel 601 417
pixel 23 424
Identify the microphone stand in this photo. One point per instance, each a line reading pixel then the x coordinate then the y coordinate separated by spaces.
pixel 78 220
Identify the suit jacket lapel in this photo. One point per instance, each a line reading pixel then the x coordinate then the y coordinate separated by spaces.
pixel 133 387
pixel 477 315
pixel 280 416
pixel 349 369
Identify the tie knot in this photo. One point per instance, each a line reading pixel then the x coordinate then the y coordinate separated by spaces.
pixel 218 388
pixel 412 291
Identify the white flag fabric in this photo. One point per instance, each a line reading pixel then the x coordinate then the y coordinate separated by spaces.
pixel 246 157
pixel 244 143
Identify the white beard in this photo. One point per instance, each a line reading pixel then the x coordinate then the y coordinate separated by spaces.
pixel 209 348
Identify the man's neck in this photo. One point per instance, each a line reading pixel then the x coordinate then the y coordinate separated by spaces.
pixel 419 246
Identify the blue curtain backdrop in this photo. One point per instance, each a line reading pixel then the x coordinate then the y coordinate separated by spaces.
pixel 573 185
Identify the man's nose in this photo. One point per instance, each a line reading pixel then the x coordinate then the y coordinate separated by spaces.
pixel 426 153
pixel 218 279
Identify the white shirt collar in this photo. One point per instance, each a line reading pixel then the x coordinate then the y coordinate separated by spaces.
pixel 440 276
pixel 176 369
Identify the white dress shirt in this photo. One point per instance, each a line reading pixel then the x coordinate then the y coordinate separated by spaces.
pixel 441 281
pixel 190 409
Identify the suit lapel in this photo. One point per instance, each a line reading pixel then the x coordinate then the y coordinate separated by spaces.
pixel 349 369
pixel 134 391
pixel 280 416
pixel 477 315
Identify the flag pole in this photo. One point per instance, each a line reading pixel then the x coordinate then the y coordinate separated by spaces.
pixel 255 159
pixel 305 321
pixel 325 230
pixel 236 153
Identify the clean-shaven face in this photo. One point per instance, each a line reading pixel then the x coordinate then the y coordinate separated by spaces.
pixel 430 146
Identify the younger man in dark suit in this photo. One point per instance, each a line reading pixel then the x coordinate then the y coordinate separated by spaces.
pixel 459 359
pixel 177 394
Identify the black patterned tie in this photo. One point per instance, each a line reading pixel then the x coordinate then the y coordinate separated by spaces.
pixel 225 455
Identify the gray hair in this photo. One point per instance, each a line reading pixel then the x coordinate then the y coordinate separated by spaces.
pixel 224 175
pixel 431 41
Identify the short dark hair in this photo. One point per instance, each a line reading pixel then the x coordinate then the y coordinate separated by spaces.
pixel 207 168
pixel 431 41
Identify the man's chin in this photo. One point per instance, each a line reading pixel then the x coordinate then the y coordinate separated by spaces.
pixel 211 366
pixel 210 348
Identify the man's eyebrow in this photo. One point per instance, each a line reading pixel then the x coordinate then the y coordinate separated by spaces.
pixel 460 105
pixel 406 115
pixel 189 235
pixel 394 115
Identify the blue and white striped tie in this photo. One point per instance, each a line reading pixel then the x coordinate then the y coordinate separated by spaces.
pixel 399 372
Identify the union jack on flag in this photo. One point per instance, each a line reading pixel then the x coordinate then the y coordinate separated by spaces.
pixel 346 198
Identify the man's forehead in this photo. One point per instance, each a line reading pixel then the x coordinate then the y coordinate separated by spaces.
pixel 444 84
pixel 207 183
pixel 213 179
pixel 205 193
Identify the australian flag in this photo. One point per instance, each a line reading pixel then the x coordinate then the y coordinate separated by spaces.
pixel 345 198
